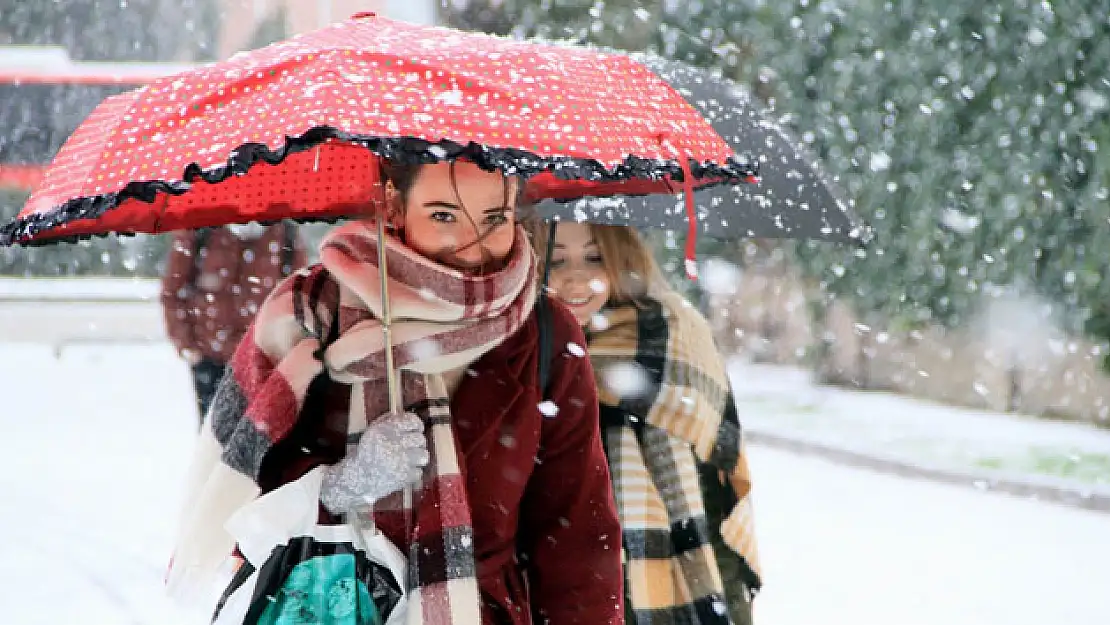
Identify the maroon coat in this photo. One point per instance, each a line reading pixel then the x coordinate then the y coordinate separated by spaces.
pixel 538 486
pixel 208 311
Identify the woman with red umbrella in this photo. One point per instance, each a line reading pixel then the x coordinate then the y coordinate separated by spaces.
pixel 539 540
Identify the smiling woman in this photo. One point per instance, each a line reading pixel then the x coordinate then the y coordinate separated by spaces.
pixel 594 264
pixel 670 428
pixel 578 275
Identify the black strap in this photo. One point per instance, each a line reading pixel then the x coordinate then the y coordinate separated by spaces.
pixel 298 303
pixel 543 316
pixel 543 320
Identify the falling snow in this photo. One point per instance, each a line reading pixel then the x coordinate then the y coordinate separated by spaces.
pixel 626 379
pixel 968 138
pixel 576 350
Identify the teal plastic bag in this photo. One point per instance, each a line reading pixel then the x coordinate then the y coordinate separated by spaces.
pixel 324 590
pixel 296 571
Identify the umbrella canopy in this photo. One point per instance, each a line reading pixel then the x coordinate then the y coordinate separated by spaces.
pixel 293 130
pixel 792 200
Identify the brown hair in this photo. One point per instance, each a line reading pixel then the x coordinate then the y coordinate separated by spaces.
pixel 627 260
pixel 403 177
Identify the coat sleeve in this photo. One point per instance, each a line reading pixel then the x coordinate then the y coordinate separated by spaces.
pixel 570 532
pixel 177 289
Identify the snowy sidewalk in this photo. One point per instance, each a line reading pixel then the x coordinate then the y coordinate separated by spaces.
pixel 1062 462
pixel 99 439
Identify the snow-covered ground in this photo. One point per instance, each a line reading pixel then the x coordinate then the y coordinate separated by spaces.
pixel 845 546
pixel 79 289
pixel 98 440
pixel 70 311
pixel 64 324
pixel 96 444
pixel 783 401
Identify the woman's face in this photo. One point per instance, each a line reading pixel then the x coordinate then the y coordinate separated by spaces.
pixel 578 275
pixel 467 222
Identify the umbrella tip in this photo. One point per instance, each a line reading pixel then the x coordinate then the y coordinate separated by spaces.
pixel 691 266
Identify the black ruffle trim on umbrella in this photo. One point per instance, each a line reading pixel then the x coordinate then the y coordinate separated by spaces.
pixel 404 150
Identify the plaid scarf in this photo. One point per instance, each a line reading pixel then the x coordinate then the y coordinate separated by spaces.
pixel 666 404
pixel 444 320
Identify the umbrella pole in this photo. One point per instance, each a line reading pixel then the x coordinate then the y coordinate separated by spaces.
pixel 387 321
pixel 390 369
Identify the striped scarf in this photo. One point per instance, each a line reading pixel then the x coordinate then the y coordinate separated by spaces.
pixel 666 404
pixel 444 320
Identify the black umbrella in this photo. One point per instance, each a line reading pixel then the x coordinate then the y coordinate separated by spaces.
pixel 792 200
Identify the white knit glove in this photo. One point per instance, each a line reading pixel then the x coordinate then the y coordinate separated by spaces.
pixel 390 454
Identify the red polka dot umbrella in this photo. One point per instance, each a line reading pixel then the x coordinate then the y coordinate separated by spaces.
pixel 292 131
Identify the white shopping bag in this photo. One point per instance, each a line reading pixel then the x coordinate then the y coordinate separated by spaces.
pixel 289 512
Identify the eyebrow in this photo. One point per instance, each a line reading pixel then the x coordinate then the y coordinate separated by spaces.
pixel 455 207
pixel 588 244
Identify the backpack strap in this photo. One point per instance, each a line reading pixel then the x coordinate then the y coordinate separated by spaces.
pixel 543 316
pixel 543 320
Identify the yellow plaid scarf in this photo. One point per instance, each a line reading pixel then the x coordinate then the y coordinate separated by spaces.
pixel 666 405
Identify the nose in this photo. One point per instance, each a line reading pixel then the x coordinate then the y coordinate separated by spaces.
pixel 470 252
pixel 573 277
pixel 576 271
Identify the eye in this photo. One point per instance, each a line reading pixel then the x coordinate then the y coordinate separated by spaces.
pixel 557 263
pixel 594 259
pixel 497 219
pixel 446 217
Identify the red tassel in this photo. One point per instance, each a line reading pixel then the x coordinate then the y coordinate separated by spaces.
pixel 691 261
pixel 691 215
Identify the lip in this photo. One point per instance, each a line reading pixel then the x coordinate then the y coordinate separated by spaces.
pixel 577 302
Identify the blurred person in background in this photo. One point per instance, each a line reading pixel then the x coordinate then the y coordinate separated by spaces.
pixel 214 282
pixel 670 428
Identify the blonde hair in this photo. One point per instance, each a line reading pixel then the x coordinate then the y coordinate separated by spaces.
pixel 627 261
